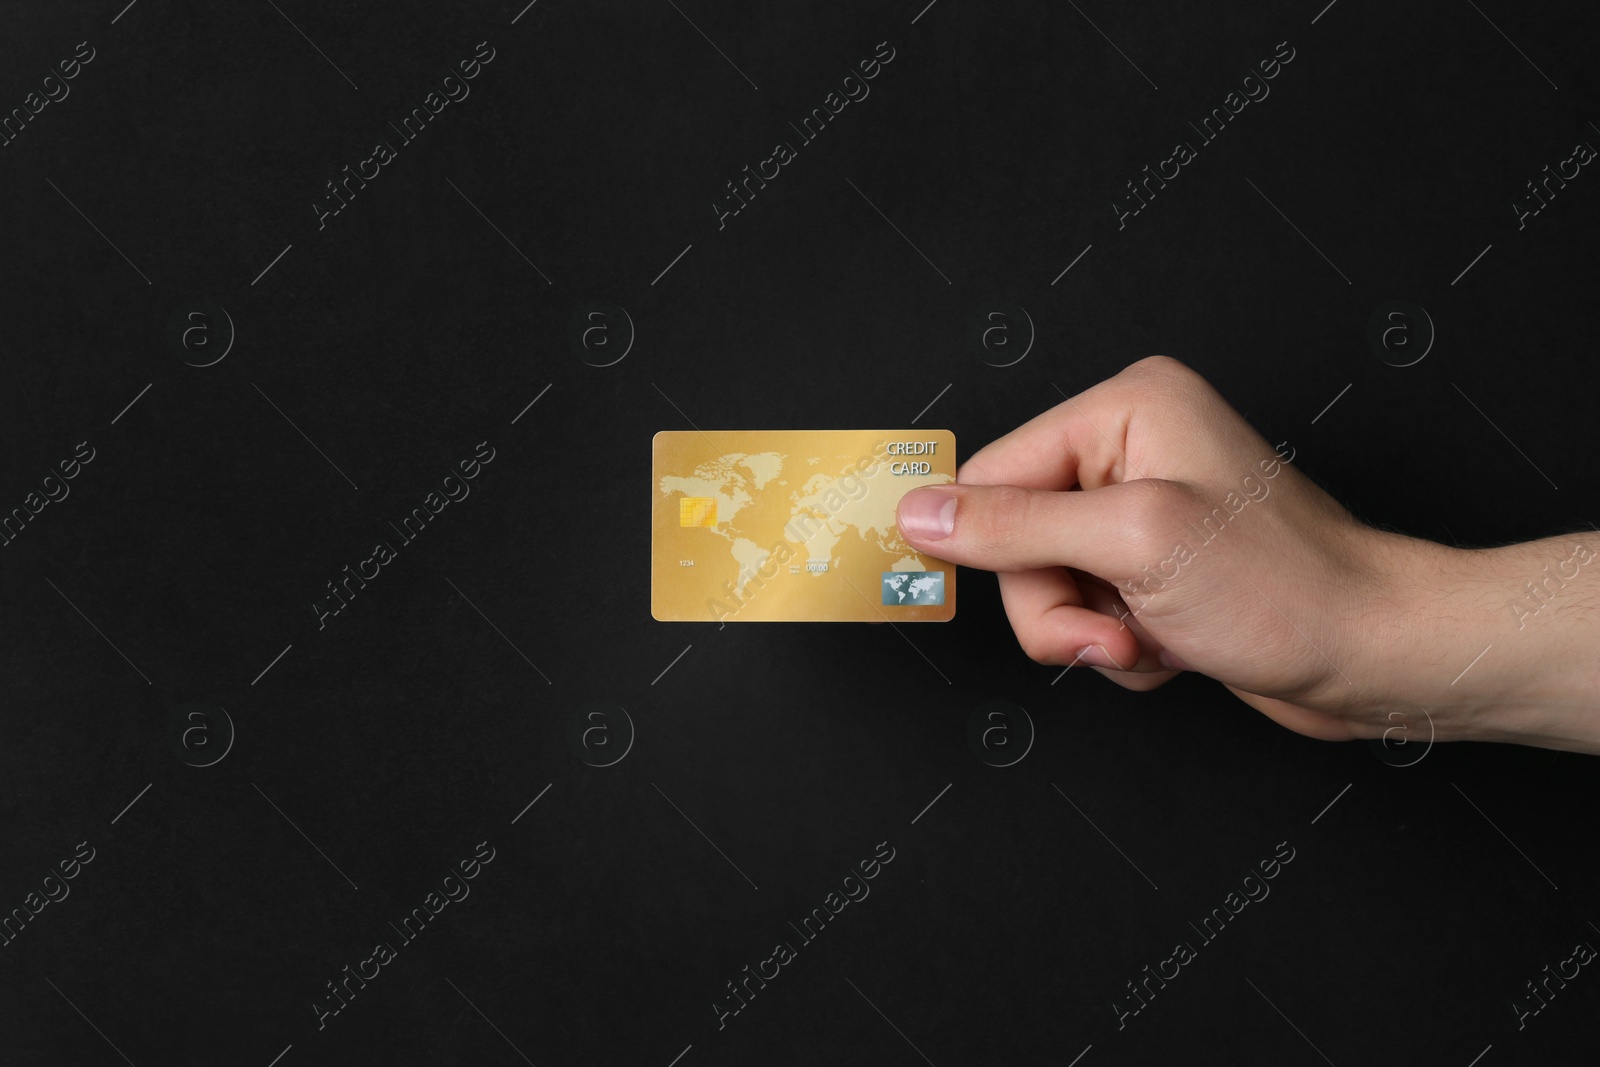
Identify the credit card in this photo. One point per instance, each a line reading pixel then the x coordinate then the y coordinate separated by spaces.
pixel 794 526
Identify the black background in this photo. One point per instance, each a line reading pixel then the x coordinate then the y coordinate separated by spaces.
pixel 412 727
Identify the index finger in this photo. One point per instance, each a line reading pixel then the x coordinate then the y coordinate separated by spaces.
pixel 1077 442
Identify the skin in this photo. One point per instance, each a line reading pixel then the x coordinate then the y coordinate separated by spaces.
pixel 1093 515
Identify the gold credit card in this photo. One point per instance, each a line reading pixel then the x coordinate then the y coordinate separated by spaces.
pixel 794 526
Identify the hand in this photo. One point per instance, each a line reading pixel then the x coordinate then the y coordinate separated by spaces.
pixel 1143 528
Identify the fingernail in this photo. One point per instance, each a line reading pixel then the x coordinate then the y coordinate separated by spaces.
pixel 1095 656
pixel 1172 662
pixel 927 514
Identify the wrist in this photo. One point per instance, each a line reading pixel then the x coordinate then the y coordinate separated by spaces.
pixel 1494 644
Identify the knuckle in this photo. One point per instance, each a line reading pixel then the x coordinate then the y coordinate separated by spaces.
pixel 1168 381
pixel 1004 518
pixel 1037 645
pixel 1162 367
pixel 1147 515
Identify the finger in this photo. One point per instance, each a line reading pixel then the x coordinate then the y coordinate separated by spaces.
pixel 1083 439
pixel 1107 531
pixel 1084 578
pixel 1095 439
pixel 1054 450
pixel 1047 613
pixel 1139 681
pixel 1064 618
pixel 1148 672
pixel 1150 648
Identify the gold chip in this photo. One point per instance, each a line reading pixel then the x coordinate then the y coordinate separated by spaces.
pixel 697 511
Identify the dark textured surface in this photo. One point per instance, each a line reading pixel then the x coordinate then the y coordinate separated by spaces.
pixel 411 728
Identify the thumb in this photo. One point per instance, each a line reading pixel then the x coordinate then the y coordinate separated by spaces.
pixel 1007 528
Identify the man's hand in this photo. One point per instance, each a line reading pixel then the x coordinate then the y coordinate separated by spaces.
pixel 1143 527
